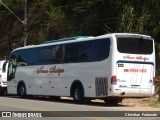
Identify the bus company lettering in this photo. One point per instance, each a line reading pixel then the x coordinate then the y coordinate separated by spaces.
pixel 142 58
pixel 50 70
pixel 135 58
pixel 135 70
pixel 54 70
pixel 42 70
pixel 128 57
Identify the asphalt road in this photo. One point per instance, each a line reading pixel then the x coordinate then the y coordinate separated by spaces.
pixel 64 109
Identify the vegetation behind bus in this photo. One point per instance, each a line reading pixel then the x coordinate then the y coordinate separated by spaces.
pixel 157 82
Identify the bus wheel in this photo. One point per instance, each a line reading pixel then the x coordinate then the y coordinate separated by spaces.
pixel 78 94
pixel 21 90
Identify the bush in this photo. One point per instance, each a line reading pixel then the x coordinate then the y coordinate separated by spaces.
pixel 157 82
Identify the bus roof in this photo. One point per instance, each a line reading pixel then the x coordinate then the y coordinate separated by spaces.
pixel 81 38
pixel 66 39
pixel 127 34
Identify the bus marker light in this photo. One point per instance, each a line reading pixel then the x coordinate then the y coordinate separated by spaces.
pixel 113 79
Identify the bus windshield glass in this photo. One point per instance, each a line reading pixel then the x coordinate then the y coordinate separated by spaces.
pixel 135 45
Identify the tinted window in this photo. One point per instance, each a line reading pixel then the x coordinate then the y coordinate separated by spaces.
pixel 41 55
pixel 32 56
pixel 14 58
pixel 50 54
pixel 134 45
pixel 88 51
pixel 22 58
pixel 45 55
pixel 28 57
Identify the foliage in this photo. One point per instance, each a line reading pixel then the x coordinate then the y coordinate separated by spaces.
pixel 157 82
pixel 11 4
pixel 155 103
pixel 94 17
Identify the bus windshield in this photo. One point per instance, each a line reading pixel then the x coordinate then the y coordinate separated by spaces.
pixel 135 45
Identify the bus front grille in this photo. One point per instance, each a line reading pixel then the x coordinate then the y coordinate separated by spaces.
pixel 101 87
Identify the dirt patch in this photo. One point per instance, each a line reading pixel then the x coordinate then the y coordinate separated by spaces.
pixel 140 102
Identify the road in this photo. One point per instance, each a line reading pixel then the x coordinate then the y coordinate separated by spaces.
pixel 41 105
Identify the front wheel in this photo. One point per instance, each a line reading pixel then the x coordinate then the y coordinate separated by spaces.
pixel 78 94
pixel 21 91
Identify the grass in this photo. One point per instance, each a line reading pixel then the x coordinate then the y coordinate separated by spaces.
pixel 155 103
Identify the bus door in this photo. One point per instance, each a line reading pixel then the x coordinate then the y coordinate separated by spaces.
pixel 12 65
pixel 4 72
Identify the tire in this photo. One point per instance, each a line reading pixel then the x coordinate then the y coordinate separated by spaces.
pixel 78 94
pixel 3 91
pixel 21 90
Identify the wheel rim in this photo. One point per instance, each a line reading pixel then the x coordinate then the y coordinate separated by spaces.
pixel 22 91
pixel 77 94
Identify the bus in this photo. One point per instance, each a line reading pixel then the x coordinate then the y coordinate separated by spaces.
pixel 3 76
pixel 108 67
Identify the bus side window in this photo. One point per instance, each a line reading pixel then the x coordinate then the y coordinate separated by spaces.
pixel 57 53
pixel 74 53
pixel 87 51
pixel 22 58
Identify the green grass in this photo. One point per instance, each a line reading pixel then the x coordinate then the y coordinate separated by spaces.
pixel 155 103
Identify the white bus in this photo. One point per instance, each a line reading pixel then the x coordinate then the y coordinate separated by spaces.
pixel 3 76
pixel 109 67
